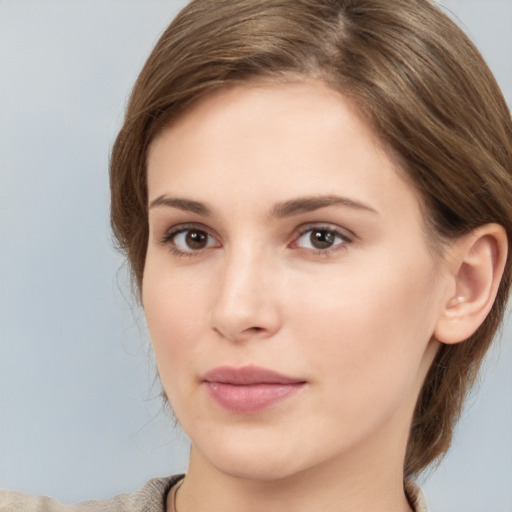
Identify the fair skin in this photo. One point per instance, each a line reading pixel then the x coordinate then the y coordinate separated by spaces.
pixel 282 236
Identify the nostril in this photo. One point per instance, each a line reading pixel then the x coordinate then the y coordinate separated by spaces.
pixel 255 329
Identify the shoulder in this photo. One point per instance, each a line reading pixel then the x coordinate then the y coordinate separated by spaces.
pixel 415 495
pixel 150 498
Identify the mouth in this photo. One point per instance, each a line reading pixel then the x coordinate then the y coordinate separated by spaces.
pixel 249 389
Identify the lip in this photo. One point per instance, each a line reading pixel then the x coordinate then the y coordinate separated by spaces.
pixel 249 389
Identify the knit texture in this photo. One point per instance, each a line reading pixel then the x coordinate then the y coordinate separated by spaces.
pixel 150 498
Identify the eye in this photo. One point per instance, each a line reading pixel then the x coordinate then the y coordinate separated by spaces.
pixel 185 241
pixel 321 239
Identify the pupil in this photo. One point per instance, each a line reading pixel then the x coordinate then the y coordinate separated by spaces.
pixel 196 239
pixel 322 239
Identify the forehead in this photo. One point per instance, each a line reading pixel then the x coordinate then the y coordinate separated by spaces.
pixel 292 139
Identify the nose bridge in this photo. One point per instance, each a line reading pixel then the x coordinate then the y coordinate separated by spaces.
pixel 245 302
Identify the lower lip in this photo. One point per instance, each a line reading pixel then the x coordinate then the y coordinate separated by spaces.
pixel 251 398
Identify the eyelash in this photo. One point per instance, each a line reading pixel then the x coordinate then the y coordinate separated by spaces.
pixel 338 233
pixel 171 234
pixel 169 239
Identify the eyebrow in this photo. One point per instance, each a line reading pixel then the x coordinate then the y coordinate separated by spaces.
pixel 280 210
pixel 181 204
pixel 309 204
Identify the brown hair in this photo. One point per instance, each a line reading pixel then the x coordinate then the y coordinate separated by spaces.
pixel 417 78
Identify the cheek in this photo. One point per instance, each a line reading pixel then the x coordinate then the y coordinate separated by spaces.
pixel 176 312
pixel 368 327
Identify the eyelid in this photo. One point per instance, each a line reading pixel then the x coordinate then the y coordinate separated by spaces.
pixel 346 235
pixel 179 228
pixel 173 231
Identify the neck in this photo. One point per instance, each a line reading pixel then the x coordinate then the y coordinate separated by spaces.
pixel 349 485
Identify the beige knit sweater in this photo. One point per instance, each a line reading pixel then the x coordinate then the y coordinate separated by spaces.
pixel 151 498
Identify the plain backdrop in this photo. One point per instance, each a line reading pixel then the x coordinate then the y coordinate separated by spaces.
pixel 80 413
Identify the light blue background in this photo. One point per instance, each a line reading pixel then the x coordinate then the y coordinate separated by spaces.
pixel 79 411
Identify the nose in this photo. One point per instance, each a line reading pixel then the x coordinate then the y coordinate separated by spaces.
pixel 246 302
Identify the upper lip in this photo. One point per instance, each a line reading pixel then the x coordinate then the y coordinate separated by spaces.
pixel 247 375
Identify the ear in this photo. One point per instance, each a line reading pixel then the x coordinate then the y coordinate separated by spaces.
pixel 477 261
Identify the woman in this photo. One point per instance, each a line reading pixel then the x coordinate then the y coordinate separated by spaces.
pixel 314 197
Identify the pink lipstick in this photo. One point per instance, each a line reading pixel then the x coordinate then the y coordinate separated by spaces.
pixel 249 389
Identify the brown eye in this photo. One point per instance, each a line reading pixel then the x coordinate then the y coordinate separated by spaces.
pixel 322 239
pixel 196 239
pixel 190 240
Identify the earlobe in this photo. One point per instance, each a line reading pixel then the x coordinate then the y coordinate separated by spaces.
pixel 478 263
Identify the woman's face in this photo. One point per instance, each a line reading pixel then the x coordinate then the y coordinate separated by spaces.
pixel 289 291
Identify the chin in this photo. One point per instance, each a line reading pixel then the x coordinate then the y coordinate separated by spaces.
pixel 250 460
pixel 257 469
